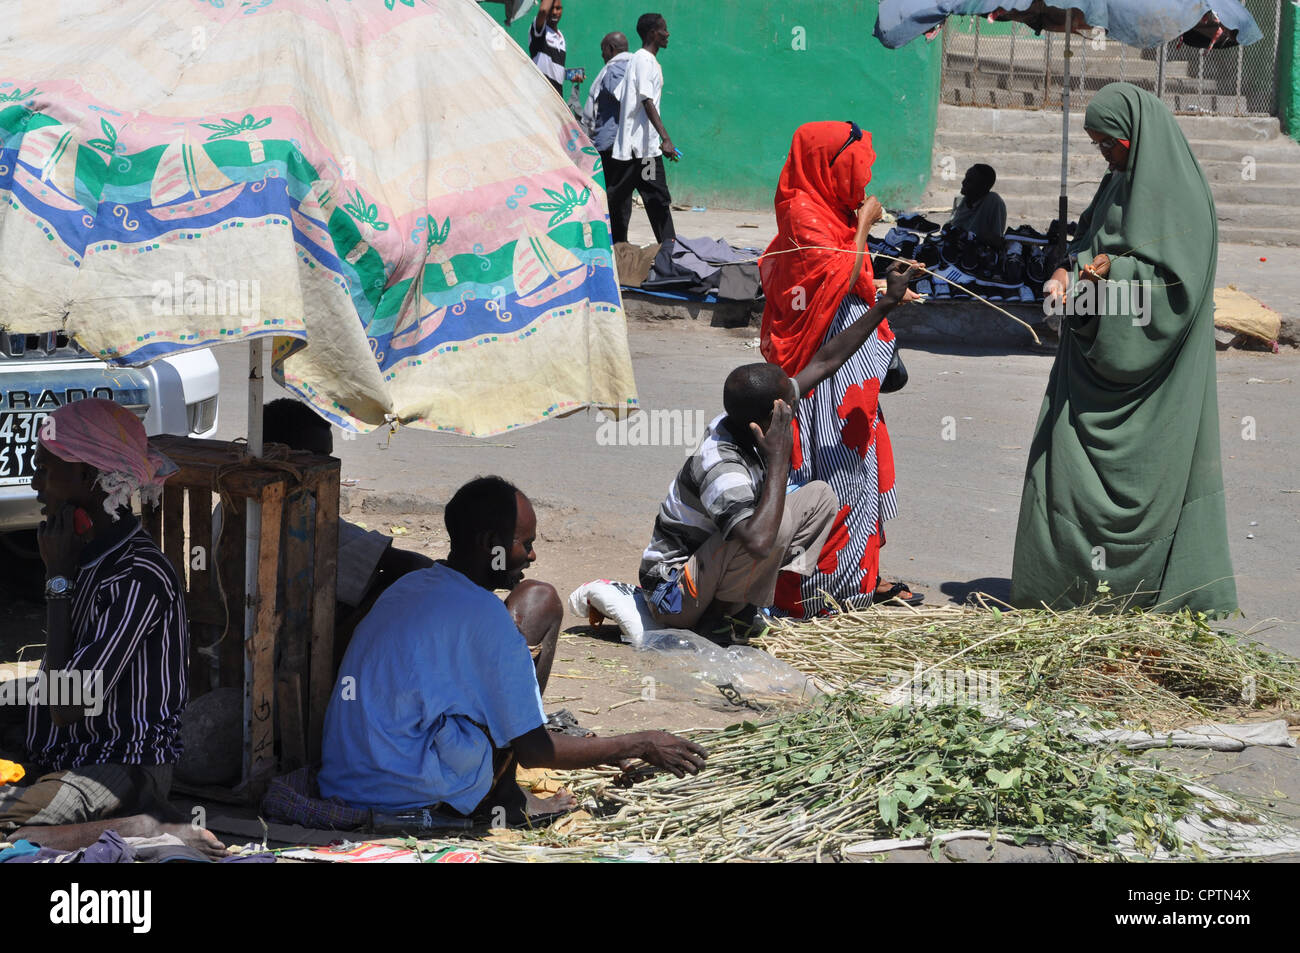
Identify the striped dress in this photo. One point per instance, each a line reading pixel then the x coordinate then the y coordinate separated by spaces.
pixel 840 437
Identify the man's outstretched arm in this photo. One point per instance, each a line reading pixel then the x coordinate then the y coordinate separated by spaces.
pixel 540 748
pixel 543 14
pixel 830 357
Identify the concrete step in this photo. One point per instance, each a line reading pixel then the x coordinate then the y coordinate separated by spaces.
pixel 1025 61
pixel 1038 176
pixel 1038 205
pixel 1133 71
pixel 1282 151
pixel 1037 84
pixel 1232 228
pixel 1246 235
pixel 979 121
pixel 1256 216
pixel 969 87
pixel 1183 102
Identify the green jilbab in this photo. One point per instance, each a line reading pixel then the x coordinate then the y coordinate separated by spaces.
pixel 1124 484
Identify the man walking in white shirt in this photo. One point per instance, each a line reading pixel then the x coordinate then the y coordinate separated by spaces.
pixel 641 142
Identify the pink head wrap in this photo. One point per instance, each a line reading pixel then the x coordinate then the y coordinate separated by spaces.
pixel 105 435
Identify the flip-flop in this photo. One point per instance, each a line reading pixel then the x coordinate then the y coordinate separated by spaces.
pixel 564 722
pixel 895 594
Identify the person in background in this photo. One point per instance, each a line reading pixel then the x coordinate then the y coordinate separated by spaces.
pixel 601 114
pixel 640 143
pixel 438 699
pixel 979 209
pixel 546 42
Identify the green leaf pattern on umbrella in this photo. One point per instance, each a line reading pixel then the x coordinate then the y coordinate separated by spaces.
pixel 109 143
pixel 366 214
pixel 562 204
pixel 437 234
pixel 591 151
pixel 17 95
pixel 231 127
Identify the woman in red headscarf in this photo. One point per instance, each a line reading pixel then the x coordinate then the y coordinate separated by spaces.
pixel 819 284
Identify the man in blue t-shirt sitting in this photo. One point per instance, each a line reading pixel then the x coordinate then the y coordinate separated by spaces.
pixel 440 694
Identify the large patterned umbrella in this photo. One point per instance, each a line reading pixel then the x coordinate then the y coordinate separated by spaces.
pixel 385 187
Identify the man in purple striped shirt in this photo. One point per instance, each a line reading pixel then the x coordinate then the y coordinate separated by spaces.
pixel 103 729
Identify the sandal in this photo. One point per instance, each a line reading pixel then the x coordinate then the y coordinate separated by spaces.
pixel 564 722
pixel 899 593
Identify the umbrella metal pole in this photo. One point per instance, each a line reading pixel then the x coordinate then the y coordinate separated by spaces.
pixel 1065 144
pixel 253 540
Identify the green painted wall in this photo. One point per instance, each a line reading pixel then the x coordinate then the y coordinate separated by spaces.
pixel 736 85
pixel 1288 71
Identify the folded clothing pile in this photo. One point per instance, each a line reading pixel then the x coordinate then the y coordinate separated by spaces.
pixel 704 267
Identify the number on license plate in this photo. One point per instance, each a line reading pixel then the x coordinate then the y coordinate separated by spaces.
pixel 18 433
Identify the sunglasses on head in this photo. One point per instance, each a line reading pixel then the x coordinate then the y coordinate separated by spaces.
pixel 1110 143
pixel 854 135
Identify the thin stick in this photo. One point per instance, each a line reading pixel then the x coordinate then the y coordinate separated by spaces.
pixel 845 251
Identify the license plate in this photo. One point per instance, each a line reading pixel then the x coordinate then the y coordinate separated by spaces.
pixel 18 433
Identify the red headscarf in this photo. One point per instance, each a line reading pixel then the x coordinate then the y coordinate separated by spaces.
pixel 816 204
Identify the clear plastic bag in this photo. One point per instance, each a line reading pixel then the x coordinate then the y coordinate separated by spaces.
pixel 731 677
pixel 728 678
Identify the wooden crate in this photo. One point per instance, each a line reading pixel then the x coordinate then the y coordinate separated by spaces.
pixel 292 649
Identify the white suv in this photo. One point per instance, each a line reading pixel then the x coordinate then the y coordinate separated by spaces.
pixel 41 372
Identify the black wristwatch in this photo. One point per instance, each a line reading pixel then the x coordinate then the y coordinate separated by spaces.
pixel 58 587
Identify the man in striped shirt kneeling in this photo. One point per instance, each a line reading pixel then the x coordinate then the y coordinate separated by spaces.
pixel 730 525
pixel 104 716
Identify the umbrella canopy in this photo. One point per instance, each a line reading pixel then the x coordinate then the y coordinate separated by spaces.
pixel 1141 23
pixel 1135 22
pixel 386 187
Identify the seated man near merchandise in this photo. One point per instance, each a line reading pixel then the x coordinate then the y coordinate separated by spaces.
pixel 728 526
pixel 438 700
pixel 103 725
pixel 979 209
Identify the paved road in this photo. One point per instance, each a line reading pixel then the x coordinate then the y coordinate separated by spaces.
pixel 959 498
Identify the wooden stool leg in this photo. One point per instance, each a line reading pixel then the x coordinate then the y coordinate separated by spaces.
pixel 199 597
pixel 321 684
pixel 261 734
pixel 291 672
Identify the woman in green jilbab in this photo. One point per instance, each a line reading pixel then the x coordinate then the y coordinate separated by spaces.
pixel 1124 485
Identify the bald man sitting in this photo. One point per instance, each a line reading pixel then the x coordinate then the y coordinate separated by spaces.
pixel 437 700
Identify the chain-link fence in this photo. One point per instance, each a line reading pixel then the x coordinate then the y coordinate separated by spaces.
pixel 1006 65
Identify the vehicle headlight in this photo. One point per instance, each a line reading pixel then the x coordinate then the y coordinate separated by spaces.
pixel 202 415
